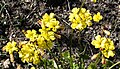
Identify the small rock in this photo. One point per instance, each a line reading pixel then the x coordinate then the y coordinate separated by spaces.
pixel 6 63
pixel 27 0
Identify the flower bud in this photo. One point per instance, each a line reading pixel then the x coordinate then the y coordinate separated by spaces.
pixel 19 66
pixel 3 49
pixel 94 56
pixel 103 60
pixel 106 32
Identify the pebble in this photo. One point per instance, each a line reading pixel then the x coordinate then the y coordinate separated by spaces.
pixel 6 63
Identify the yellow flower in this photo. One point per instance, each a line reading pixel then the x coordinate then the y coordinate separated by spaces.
pixel 111 53
pixel 106 45
pixel 32 68
pixel 51 35
pixel 74 25
pixel 49 22
pixel 97 42
pixel 32 54
pixel 108 53
pixel 80 26
pixel 83 10
pixel 71 16
pixel 31 35
pixel 103 43
pixel 89 23
pixel 46 17
pixel 77 17
pixel 97 17
pixel 11 47
pixel 53 24
pixel 93 1
pixel 48 35
pixel 52 15
pixel 75 10
pixel 41 42
pixel 111 45
pixel 80 18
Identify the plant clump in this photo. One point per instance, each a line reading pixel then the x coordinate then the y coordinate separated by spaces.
pixel 33 49
pixel 105 45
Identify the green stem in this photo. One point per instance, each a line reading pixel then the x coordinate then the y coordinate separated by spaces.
pixel 71 60
pixel 114 65
pixel 53 56
pixel 82 5
pixel 45 64
pixel 60 54
pixel 98 59
pixel 82 63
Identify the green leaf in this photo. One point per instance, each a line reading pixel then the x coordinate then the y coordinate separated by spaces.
pixel 66 55
pixel 92 66
pixel 108 63
pixel 84 56
pixel 54 64
pixel 75 66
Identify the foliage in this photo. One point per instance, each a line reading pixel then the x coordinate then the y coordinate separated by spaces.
pixel 39 47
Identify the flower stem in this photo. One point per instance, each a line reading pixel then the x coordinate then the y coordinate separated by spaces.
pixel 53 56
pixel 114 65
pixel 98 59
pixel 82 5
pixel 71 60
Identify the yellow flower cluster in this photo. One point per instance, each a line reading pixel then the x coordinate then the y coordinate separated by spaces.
pixel 39 42
pixel 33 50
pixel 80 18
pixel 11 47
pixel 49 22
pixel 32 35
pixel 30 52
pixel 97 17
pixel 106 45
